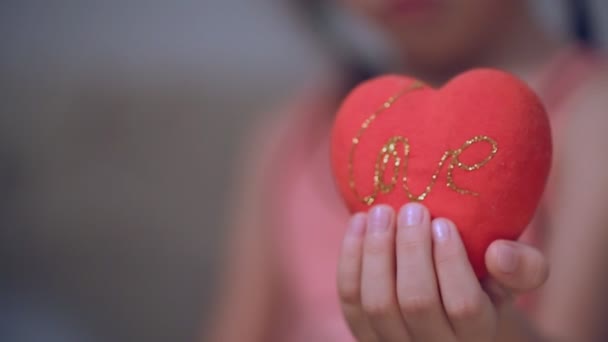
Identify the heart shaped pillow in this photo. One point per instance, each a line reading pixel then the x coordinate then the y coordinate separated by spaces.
pixel 476 151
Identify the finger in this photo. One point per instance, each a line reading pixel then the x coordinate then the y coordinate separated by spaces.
pixel 349 279
pixel 378 278
pixel 417 288
pixel 467 306
pixel 516 266
pixel 498 294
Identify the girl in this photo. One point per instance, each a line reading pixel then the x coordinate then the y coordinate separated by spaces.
pixel 400 276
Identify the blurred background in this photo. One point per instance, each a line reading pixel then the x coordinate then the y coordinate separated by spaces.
pixel 119 121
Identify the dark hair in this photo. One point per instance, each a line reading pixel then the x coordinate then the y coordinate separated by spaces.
pixel 580 21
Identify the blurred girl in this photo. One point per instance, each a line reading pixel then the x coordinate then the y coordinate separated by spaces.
pixel 292 231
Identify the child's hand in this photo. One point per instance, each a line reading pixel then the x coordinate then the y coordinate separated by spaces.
pixel 405 279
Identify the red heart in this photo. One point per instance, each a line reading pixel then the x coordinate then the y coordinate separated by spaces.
pixel 477 151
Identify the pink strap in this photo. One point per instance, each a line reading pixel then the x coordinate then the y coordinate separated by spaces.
pixel 565 75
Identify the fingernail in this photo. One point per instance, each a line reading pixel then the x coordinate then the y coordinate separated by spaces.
pixel 441 230
pixel 379 219
pixel 412 214
pixel 507 258
pixel 356 226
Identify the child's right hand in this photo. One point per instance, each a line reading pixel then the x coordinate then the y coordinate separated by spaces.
pixel 409 279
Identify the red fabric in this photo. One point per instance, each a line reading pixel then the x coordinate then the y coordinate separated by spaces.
pixel 479 102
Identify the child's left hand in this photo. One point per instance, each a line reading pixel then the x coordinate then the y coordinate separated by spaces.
pixel 405 279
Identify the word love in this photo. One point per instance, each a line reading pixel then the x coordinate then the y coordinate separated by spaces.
pixel 397 149
pixel 396 152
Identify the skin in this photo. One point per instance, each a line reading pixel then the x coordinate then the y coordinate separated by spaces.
pixel 434 294
pixel 401 282
pixel 449 36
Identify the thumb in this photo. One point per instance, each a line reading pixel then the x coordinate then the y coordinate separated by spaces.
pixel 516 267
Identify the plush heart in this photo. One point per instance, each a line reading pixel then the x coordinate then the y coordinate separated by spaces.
pixel 476 151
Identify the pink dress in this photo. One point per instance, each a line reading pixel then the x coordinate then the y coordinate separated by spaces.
pixel 308 244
